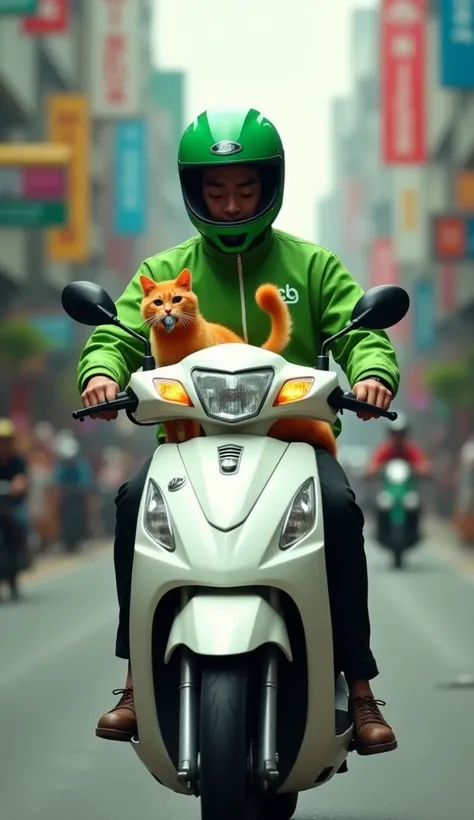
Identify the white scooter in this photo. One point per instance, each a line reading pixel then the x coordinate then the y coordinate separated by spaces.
pixel 231 641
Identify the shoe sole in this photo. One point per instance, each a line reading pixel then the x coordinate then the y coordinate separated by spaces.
pixel 114 734
pixel 365 751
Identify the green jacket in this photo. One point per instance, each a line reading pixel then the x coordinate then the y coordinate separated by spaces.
pixel 319 290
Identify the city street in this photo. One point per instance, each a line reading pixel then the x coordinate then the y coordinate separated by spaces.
pixel 57 671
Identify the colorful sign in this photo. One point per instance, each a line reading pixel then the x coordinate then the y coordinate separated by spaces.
pixel 410 223
pixel 33 197
pixel 447 287
pixel 57 329
pixel 69 124
pixel 453 238
pixel 418 397
pixel 464 190
pixel 115 57
pixel 384 270
pixel 52 17
pixel 403 103
pixel 383 266
pixel 456 30
pixel 424 314
pixel 18 6
pixel 130 178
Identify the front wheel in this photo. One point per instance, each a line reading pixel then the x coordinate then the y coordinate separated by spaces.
pixel 277 806
pixel 398 559
pixel 225 741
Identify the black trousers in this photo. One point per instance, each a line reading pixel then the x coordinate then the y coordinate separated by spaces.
pixel 13 545
pixel 345 561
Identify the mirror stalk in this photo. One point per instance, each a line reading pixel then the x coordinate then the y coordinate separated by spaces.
pixel 332 339
pixel 148 359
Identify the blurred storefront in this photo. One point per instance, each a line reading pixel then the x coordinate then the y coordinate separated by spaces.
pixel 79 74
pixel 403 199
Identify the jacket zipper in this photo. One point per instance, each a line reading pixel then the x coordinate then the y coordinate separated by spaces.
pixel 242 298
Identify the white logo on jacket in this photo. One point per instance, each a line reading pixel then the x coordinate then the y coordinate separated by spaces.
pixel 289 295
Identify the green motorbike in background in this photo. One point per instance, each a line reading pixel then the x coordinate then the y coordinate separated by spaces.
pixel 398 509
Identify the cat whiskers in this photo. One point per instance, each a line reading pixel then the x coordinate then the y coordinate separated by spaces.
pixel 151 321
pixel 187 319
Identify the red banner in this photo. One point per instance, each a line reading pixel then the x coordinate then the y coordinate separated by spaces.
pixel 450 238
pixel 403 97
pixel 384 270
pixel 383 267
pixel 418 397
pixel 52 17
pixel 448 287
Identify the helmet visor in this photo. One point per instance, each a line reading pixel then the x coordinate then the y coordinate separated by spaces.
pixel 271 179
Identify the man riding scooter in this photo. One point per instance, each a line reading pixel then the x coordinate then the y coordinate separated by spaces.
pixel 73 479
pixel 399 446
pixel 399 463
pixel 231 167
pixel 13 488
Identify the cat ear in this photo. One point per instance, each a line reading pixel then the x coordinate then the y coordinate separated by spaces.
pixel 147 285
pixel 184 280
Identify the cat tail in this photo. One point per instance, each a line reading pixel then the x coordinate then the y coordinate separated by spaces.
pixel 269 299
pixel 325 438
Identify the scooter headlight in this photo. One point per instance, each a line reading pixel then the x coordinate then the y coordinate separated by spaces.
pixel 398 471
pixel 300 518
pixel 232 397
pixel 157 520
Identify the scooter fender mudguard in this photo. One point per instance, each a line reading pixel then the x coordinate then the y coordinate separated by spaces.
pixel 225 624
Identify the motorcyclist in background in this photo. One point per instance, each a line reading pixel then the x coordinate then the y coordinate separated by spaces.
pixel 231 167
pixel 13 512
pixel 399 445
pixel 73 480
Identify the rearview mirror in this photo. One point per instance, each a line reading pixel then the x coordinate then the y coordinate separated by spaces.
pixel 381 307
pixel 88 304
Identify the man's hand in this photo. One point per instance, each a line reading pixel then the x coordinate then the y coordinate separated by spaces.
pixel 373 392
pixel 100 388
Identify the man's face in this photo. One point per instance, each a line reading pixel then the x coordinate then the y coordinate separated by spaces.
pixel 231 193
pixel 398 440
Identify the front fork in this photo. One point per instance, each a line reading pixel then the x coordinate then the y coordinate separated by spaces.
pixel 266 764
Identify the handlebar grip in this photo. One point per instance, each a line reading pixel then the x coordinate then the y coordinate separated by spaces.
pixel 347 401
pixel 125 400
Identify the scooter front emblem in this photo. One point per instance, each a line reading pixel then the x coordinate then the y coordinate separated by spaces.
pixel 176 484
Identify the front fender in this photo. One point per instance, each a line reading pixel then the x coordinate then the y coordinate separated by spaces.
pixel 227 624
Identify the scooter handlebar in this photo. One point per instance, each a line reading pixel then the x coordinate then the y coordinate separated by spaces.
pixel 123 401
pixel 339 400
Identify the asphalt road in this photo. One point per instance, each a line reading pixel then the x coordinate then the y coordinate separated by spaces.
pixel 57 671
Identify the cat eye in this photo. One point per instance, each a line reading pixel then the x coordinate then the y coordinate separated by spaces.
pixel 176 299
pixel 158 302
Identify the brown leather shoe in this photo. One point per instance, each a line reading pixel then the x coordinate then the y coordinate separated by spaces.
pixel 121 722
pixel 372 734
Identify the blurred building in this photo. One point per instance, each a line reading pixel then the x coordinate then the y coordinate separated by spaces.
pixel 79 73
pixel 401 204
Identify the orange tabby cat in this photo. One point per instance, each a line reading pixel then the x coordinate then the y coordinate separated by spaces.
pixel 178 329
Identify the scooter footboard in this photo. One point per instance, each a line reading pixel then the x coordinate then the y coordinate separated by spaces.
pixel 227 624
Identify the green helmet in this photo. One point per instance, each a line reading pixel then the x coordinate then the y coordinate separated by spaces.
pixel 231 136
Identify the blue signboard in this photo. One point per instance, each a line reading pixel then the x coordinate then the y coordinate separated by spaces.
pixel 424 315
pixel 130 186
pixel 58 330
pixel 456 26
pixel 470 238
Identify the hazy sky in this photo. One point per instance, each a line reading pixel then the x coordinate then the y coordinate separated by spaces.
pixel 288 59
